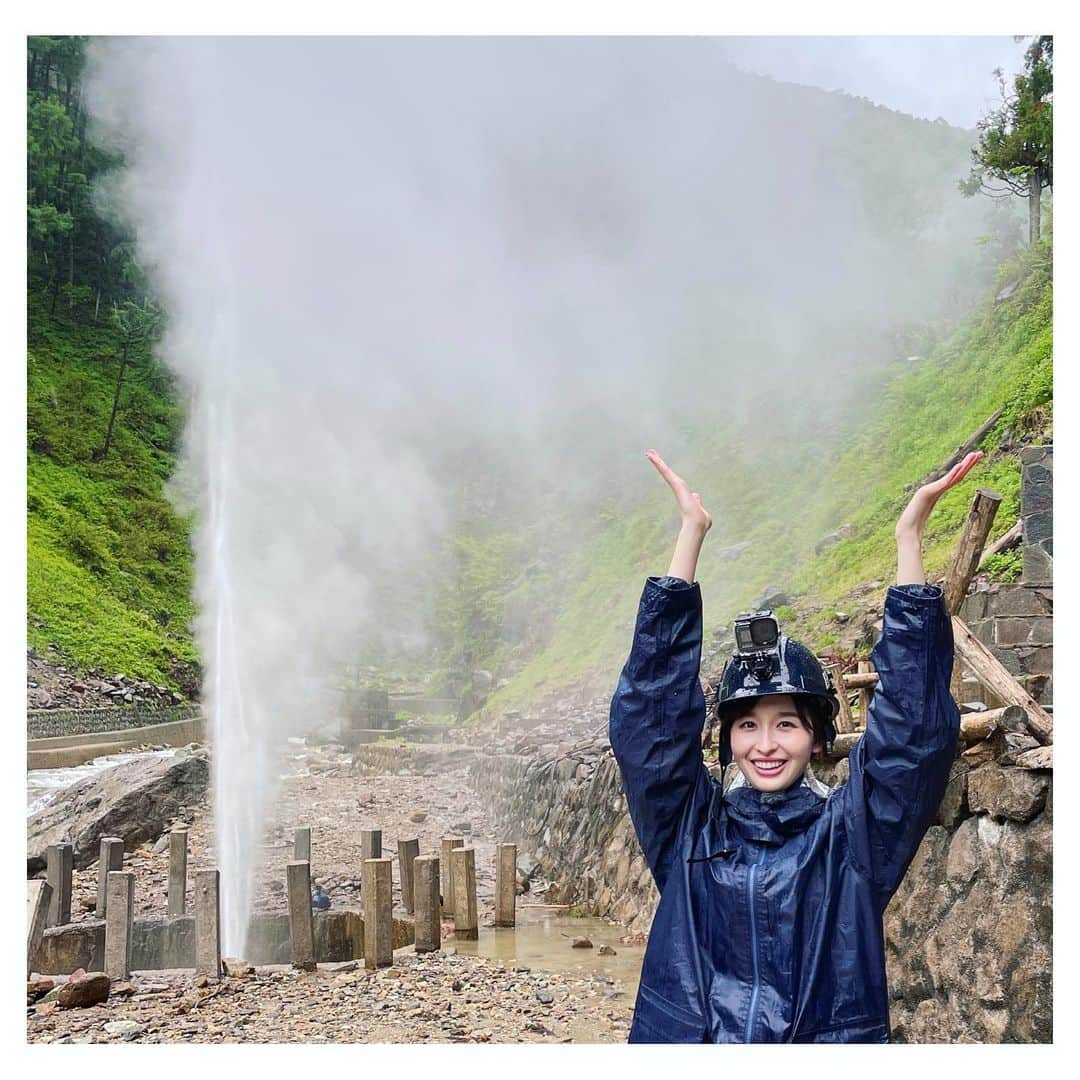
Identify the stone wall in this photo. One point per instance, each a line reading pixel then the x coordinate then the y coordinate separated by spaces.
pixel 968 934
pixel 50 723
pixel 1016 621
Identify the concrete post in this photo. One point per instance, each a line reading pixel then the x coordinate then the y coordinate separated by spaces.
pixel 301 921
pixel 428 922
pixel 178 843
pixel 119 913
pixel 378 913
pixel 463 882
pixel 38 896
pixel 110 857
pixel 302 846
pixel 446 869
pixel 370 844
pixel 505 884
pixel 208 923
pixel 58 863
pixel 407 850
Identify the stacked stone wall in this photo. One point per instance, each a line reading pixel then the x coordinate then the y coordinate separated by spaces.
pixel 968 934
pixel 51 723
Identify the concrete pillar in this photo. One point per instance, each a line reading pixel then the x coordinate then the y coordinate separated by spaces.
pixel 407 850
pixel 38 896
pixel 301 922
pixel 178 842
pixel 120 911
pixel 428 921
pixel 446 870
pixel 463 882
pixel 302 846
pixel 208 923
pixel 370 844
pixel 377 894
pixel 110 857
pixel 505 884
pixel 58 863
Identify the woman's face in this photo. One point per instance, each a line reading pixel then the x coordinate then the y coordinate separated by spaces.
pixel 771 744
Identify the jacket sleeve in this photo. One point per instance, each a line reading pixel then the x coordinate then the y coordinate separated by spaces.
pixel 899 768
pixel 657 715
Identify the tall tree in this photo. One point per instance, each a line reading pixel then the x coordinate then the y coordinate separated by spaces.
pixel 139 326
pixel 1016 141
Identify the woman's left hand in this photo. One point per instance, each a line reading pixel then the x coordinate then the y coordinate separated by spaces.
pixel 913 520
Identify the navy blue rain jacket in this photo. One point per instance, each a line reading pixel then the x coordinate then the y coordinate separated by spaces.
pixel 769 926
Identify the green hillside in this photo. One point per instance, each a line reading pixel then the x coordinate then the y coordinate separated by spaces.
pixel 109 566
pixel 786 499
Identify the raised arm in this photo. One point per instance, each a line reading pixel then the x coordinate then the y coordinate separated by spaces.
pixel 899 768
pixel 658 709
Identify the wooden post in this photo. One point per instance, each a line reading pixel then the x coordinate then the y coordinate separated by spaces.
pixel 110 857
pixel 845 722
pixel 370 844
pixel 464 886
pixel 177 897
pixel 990 672
pixel 38 896
pixel 377 896
pixel 120 911
pixel 968 551
pixel 58 865
pixel 506 884
pixel 861 680
pixel 208 923
pixel 407 851
pixel 302 845
pixel 301 924
pixel 446 869
pixel 428 920
pixel 866 693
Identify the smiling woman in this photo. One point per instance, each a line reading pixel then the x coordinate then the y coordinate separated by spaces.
pixel 769 927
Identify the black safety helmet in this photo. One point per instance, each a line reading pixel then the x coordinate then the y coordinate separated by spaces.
pixel 789 667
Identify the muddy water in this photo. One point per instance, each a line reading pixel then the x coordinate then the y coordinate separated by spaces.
pixel 543 942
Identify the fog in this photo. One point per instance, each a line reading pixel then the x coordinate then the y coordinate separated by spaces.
pixel 390 263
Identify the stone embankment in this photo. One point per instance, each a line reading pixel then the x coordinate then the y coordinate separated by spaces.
pixel 968 935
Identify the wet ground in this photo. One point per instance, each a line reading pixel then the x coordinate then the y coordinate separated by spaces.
pixel 529 984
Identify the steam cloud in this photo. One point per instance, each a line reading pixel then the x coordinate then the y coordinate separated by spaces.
pixel 385 259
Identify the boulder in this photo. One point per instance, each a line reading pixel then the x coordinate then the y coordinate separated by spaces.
pixel 80 991
pixel 137 800
pixel 1015 794
pixel 771 599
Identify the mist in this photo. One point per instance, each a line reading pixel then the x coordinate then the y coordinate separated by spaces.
pixel 387 262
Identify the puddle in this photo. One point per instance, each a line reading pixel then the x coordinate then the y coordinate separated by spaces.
pixel 543 941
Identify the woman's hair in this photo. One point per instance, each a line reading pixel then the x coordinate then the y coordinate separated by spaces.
pixel 811 711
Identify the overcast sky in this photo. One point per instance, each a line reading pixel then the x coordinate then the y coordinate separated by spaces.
pixel 930 77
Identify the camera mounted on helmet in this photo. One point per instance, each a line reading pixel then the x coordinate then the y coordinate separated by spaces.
pixel 765 662
pixel 757 643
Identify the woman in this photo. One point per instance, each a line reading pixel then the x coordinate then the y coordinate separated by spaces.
pixel 769 926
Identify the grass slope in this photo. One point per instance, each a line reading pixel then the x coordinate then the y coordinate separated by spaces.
pixel 784 500
pixel 109 566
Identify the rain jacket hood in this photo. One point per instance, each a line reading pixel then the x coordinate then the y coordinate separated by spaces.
pixel 769 923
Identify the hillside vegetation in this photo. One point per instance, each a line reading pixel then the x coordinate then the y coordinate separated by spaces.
pixel 109 566
pixel 910 419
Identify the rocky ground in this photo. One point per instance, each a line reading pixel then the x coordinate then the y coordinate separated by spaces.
pixel 441 997
pixel 51 684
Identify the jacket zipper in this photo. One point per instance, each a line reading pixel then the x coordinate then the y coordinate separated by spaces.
pixel 750 878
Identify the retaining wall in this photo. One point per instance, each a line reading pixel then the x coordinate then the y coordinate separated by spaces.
pixel 968 934
pixel 55 723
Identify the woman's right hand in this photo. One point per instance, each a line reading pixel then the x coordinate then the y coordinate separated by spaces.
pixel 693 513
